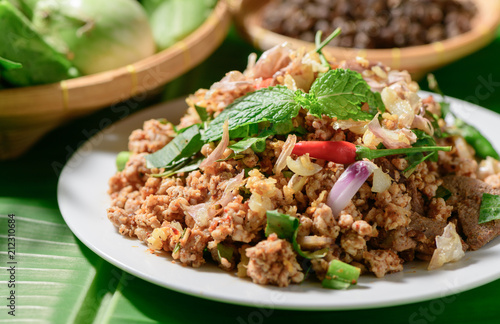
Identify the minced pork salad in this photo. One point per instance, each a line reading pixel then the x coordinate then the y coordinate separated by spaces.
pixel 302 166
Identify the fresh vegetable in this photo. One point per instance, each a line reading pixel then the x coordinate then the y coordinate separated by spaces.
pixel 275 105
pixel 96 35
pixel 320 45
pixel 287 227
pixel 172 20
pixel 257 143
pixel 19 42
pixel 347 153
pixel 178 245
pixel 442 192
pixel 448 248
pixel 225 252
pixel 337 93
pixel 202 113
pixel 472 135
pixel 6 65
pixel 187 165
pixel 340 275
pixel 474 138
pixel 122 159
pixel 340 93
pixel 414 159
pixel 25 6
pixel 490 208
pixel 348 184
pixel 183 146
pixel 303 166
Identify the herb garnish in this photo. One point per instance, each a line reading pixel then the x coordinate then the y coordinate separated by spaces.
pixel 490 208
pixel 472 136
pixel 337 93
pixel 183 146
pixel 287 227
pixel 414 159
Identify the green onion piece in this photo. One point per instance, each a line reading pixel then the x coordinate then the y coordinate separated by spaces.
pixel 340 275
pixel 122 159
pixel 490 208
pixel 225 252
pixel 287 227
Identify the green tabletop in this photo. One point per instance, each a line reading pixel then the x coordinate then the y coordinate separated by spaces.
pixel 59 280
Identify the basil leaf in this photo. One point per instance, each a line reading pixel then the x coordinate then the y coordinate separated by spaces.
pixel 287 227
pixel 340 93
pixel 257 143
pixel 184 145
pixel 122 159
pixel 275 105
pixel 490 208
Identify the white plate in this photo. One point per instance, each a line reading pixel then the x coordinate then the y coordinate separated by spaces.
pixel 83 201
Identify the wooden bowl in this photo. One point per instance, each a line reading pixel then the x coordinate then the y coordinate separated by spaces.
pixel 417 60
pixel 27 113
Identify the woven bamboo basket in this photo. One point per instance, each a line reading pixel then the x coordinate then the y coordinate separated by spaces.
pixel 27 113
pixel 418 60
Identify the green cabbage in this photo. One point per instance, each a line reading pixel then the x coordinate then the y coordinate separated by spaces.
pixel 19 42
pixel 96 35
pixel 172 20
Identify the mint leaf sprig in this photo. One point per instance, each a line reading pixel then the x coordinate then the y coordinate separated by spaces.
pixel 337 93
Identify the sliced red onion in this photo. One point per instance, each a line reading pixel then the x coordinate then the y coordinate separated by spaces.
pixel 348 184
pixel 424 124
pixel 285 152
pixel 392 139
pixel 232 184
pixel 218 153
pixel 203 213
pixel 270 62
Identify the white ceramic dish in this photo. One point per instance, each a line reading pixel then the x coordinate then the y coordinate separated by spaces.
pixel 83 201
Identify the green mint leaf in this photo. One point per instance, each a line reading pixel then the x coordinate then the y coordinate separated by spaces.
pixel 257 143
pixel 184 145
pixel 340 93
pixel 202 112
pixel 275 105
pixel 490 208
pixel 286 227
